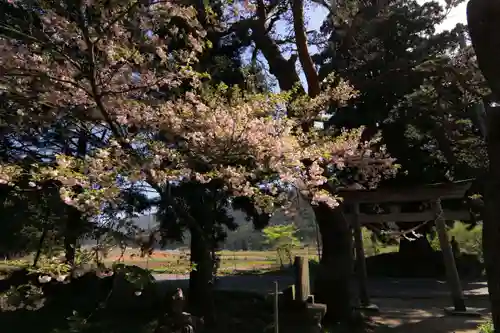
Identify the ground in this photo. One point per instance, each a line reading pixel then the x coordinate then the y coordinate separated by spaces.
pixel 406 305
pixel 424 316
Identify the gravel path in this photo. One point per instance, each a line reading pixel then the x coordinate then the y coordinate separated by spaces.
pixel 426 316
pixel 378 288
pixel 406 305
pixel 262 284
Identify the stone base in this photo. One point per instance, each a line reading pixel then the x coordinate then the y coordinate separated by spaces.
pixel 305 318
pixel 316 310
pixel 469 312
pixel 370 308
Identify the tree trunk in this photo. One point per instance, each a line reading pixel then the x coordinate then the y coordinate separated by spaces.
pixel 332 285
pixel 70 248
pixel 283 69
pixel 483 24
pixel 482 19
pixel 40 246
pixel 70 240
pixel 201 279
pixel 491 220
pixel 71 234
pixel 306 61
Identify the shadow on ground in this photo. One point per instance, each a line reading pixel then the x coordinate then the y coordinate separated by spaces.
pixel 411 316
pixel 380 287
pixel 238 312
pixel 242 302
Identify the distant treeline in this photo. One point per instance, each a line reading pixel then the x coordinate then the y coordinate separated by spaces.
pixel 245 237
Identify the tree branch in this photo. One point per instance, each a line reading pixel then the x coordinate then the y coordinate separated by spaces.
pixel 301 42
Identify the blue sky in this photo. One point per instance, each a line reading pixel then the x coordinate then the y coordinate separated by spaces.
pixel 317 15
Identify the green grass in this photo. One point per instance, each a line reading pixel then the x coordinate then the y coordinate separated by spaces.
pixel 486 327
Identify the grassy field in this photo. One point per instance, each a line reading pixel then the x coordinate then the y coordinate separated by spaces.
pixel 230 261
pixel 173 262
pixel 178 262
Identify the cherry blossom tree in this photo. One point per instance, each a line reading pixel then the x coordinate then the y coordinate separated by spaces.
pixel 127 67
pixel 103 62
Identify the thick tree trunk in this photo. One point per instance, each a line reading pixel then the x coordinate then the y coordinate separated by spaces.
pixel 482 19
pixel 332 285
pixel 283 69
pixel 201 279
pixel 491 220
pixel 483 23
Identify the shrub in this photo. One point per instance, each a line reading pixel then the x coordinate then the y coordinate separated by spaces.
pixel 486 327
pixel 283 239
pixel 373 246
pixel 469 241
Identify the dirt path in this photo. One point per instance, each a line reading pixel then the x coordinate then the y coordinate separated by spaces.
pixel 377 288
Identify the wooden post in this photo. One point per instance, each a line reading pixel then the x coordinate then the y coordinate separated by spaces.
pixel 360 259
pixel 310 315
pixel 276 307
pixel 302 280
pixel 449 260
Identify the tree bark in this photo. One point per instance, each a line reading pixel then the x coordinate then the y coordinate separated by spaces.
pixel 70 247
pixel 40 246
pixel 74 222
pixel 303 51
pixel 283 69
pixel 71 234
pixel 483 24
pixel 332 285
pixel 201 278
pixel 491 220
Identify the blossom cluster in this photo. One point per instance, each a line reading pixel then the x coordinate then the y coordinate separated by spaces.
pixel 114 65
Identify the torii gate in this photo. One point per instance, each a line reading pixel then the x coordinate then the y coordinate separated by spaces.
pixel 430 193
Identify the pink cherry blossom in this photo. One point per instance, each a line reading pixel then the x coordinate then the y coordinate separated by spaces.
pixel 221 133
